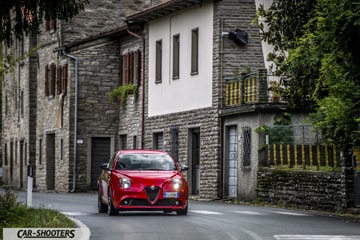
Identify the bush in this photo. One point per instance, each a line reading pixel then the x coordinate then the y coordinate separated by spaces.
pixel 16 215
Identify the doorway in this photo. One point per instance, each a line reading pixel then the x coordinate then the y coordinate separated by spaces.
pixel 231 153
pixel 100 153
pixel 50 161
pixel 194 161
pixel 21 164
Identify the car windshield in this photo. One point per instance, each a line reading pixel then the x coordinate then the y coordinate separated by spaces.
pixel 152 161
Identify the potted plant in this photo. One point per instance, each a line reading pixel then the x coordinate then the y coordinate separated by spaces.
pixel 276 90
pixel 121 93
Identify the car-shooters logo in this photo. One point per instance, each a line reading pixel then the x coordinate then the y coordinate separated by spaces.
pixel 46 233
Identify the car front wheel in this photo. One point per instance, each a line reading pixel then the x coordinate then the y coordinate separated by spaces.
pixel 111 210
pixel 182 211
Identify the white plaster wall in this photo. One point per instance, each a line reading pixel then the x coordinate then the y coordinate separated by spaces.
pixel 267 48
pixel 188 92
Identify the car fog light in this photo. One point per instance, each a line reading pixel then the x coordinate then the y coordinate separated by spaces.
pixel 126 202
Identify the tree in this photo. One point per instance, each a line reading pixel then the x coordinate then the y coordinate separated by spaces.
pixel 317 55
pixel 22 17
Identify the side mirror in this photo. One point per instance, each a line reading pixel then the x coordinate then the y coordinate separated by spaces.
pixel 184 167
pixel 105 166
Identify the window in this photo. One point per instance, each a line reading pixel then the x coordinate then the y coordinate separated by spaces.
pixel 16 99
pixel 55 79
pixel 40 151
pixel 195 51
pixel 61 79
pixel 158 141
pixel 50 25
pixel 158 62
pixel 174 142
pixel 134 142
pixel 46 88
pixel 61 149
pixel 129 68
pixel 22 104
pixel 5 154
pixel 123 141
pixel 6 105
pixel 50 78
pixel 21 50
pixel 176 56
pixel 246 132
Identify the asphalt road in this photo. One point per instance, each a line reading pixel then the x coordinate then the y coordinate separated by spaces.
pixel 205 221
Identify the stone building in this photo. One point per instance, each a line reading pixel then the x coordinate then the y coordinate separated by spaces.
pixel 56 112
pixel 183 56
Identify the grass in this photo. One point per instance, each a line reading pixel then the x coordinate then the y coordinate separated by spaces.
pixel 17 215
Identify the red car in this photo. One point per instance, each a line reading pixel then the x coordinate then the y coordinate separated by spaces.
pixel 146 180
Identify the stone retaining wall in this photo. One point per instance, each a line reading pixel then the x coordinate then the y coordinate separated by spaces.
pixel 307 190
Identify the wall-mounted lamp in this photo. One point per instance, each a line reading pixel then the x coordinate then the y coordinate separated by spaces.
pixel 239 36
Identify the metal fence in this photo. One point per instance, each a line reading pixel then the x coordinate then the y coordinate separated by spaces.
pixel 304 156
pixel 292 134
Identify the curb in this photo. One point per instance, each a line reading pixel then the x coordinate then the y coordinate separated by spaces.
pixel 86 231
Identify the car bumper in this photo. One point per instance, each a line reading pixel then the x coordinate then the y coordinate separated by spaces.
pixel 134 201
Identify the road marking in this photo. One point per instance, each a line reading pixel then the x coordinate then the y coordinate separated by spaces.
pixel 315 237
pixel 249 212
pixel 293 213
pixel 74 213
pixel 205 212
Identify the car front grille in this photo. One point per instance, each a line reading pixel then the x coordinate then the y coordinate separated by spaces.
pixel 152 192
pixel 142 202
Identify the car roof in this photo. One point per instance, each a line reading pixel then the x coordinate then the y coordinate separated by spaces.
pixel 141 151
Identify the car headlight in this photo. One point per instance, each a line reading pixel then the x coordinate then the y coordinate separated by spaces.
pixel 125 183
pixel 177 183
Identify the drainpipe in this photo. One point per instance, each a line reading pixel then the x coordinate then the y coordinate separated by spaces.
pixel 143 86
pixel 75 114
pixel 221 125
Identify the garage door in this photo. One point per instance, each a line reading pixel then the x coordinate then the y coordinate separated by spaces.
pixel 100 153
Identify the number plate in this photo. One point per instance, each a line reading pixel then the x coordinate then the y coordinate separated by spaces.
pixel 171 194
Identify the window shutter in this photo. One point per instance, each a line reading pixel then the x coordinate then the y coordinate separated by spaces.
pixel 131 67
pixel 47 25
pixel 126 68
pixel 120 69
pixel 58 80
pixel 46 80
pixel 53 24
pixel 138 66
pixel 64 78
pixel 52 78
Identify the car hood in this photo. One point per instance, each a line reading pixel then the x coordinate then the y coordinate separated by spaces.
pixel 156 178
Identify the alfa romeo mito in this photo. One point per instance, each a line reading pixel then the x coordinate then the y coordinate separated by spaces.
pixel 142 180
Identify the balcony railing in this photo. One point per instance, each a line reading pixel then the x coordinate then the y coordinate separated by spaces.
pixel 251 89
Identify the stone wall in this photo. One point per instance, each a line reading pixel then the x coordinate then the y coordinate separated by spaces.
pixel 204 119
pixel 305 189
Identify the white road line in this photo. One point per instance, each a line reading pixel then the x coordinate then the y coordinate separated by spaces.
pixel 74 213
pixel 293 213
pixel 205 212
pixel 249 212
pixel 315 237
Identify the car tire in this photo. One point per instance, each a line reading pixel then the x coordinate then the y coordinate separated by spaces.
pixel 102 208
pixel 182 212
pixel 111 210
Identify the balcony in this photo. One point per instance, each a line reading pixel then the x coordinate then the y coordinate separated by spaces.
pixel 251 92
